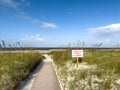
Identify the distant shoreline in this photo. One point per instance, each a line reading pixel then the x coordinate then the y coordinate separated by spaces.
pixel 51 48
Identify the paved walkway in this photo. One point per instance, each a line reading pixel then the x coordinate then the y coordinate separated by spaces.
pixel 46 78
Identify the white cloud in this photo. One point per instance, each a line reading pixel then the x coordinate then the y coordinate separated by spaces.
pixel 106 30
pixel 33 38
pixel 48 25
pixel 109 35
pixel 14 3
pixel 10 3
pixel 17 4
pixel 23 15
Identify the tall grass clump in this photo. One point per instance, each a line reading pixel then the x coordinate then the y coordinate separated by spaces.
pixel 99 70
pixel 15 67
pixel 61 56
pixel 104 59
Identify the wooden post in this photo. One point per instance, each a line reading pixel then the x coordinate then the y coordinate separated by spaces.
pixel 77 62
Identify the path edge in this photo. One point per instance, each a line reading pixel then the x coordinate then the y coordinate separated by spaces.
pixel 30 79
pixel 57 76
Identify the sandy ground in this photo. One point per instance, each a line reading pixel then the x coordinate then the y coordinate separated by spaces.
pixel 43 78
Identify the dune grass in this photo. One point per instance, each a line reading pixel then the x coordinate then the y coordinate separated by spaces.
pixel 15 67
pixel 105 59
pixel 102 73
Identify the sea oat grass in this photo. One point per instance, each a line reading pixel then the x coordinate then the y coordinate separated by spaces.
pixel 99 70
pixel 15 67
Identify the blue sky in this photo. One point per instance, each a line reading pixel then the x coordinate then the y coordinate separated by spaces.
pixel 49 23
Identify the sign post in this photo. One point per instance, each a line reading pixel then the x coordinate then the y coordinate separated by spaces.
pixel 77 54
pixel 77 62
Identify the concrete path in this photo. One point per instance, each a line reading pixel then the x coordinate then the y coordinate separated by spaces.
pixel 46 78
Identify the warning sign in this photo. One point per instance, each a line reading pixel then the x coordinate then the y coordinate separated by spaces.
pixel 77 53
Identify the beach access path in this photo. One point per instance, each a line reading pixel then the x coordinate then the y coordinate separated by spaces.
pixel 45 77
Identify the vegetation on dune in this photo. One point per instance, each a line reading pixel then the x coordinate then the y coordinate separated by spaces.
pixel 15 67
pixel 105 59
pixel 98 70
pixel 60 57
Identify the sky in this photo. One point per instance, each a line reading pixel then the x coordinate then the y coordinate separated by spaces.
pixel 54 23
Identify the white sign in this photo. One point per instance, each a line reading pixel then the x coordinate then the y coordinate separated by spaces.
pixel 77 53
